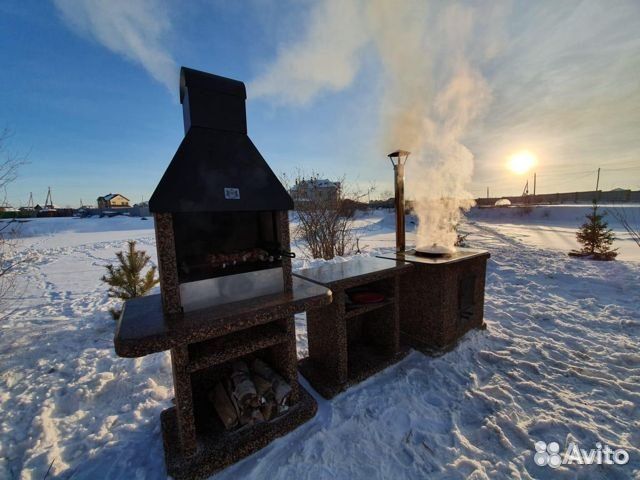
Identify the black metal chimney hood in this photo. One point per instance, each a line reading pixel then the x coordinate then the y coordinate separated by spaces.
pixel 216 168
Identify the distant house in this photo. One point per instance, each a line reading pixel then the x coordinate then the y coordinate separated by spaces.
pixel 140 209
pixel 113 200
pixel 315 190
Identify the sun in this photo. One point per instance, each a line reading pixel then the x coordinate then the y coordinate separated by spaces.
pixel 522 162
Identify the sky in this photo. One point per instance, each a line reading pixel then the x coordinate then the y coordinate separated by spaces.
pixel 90 91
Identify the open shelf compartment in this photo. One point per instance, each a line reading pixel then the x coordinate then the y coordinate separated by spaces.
pixel 222 349
pixel 349 342
pixel 356 310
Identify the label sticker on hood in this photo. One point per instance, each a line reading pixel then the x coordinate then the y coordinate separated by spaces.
pixel 232 193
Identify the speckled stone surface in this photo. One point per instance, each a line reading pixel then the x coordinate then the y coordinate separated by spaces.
pixel 283 225
pixel 189 378
pixel 433 297
pixel 215 452
pixel 355 272
pixel 203 356
pixel 167 264
pixel 144 328
pixel 367 365
pixel 184 411
pixel 346 347
pixel 204 344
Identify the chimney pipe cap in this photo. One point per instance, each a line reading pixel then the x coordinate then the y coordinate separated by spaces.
pixel 399 153
pixel 400 157
pixel 197 80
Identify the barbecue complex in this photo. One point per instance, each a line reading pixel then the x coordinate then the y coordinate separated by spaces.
pixel 229 296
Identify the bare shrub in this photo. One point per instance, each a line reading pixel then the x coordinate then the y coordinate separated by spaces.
pixel 10 258
pixel 629 220
pixel 325 216
pixel 10 162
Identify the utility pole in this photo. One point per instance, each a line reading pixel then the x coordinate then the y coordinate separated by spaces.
pixel 534 184
pixel 598 180
pixel 487 192
pixel 48 203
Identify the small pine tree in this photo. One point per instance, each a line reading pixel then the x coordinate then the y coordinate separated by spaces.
pixel 596 237
pixel 127 280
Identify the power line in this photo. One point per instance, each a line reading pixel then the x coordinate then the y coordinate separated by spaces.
pixel 621 169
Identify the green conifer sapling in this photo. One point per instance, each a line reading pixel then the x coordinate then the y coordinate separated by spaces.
pixel 596 237
pixel 127 280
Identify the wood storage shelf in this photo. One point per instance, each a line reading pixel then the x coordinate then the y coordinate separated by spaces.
pixel 226 448
pixel 222 349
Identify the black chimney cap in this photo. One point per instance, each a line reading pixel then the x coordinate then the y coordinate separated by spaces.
pixel 398 153
pixel 195 79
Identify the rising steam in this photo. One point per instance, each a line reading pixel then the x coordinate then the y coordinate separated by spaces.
pixel 432 90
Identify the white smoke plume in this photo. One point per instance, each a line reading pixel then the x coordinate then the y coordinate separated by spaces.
pixel 134 29
pixel 432 88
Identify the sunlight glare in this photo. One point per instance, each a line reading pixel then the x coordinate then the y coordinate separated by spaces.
pixel 521 162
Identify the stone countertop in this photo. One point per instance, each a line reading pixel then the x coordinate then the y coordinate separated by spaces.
pixel 143 328
pixel 353 272
pixel 460 255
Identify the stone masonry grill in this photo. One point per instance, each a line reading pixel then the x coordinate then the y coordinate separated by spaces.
pixel 228 297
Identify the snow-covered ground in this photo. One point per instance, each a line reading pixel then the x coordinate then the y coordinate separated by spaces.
pixel 560 361
pixel 554 226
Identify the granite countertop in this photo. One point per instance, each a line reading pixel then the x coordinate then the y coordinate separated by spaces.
pixel 353 272
pixel 143 328
pixel 460 255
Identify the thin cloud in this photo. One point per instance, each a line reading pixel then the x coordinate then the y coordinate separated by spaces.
pixel 133 29
pixel 325 60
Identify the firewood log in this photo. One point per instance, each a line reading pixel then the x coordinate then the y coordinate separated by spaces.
pixel 281 389
pixel 269 410
pixel 243 412
pixel 223 406
pixel 268 406
pixel 243 390
pixel 256 416
pixel 264 388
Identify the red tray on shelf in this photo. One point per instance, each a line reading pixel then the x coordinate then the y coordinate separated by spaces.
pixel 364 298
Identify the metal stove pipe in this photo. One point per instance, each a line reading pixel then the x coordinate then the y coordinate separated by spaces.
pixel 398 159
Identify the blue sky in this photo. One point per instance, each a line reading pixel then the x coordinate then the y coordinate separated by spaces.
pixel 90 90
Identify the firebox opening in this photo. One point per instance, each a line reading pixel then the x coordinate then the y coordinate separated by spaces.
pixel 210 245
